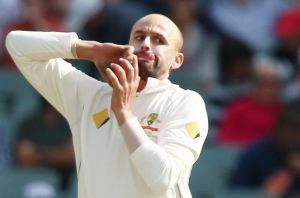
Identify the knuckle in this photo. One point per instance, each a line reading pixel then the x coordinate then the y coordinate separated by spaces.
pixel 127 86
pixel 130 69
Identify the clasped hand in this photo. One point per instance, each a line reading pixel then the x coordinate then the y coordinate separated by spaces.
pixel 124 79
pixel 121 73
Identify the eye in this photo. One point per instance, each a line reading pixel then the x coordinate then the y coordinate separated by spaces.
pixel 140 38
pixel 158 40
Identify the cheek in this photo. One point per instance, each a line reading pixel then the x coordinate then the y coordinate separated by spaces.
pixel 164 54
pixel 135 45
pixel 169 60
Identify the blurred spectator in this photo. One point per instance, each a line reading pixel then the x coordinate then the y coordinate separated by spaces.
pixel 235 70
pixel 4 151
pixel 292 89
pixel 296 3
pixel 41 15
pixel 273 165
pixel 251 118
pixel 154 6
pixel 44 139
pixel 18 99
pixel 38 189
pixel 107 25
pixel 9 10
pixel 248 20
pixel 200 47
pixel 112 24
pixel 235 62
pixel 287 29
pixel 80 11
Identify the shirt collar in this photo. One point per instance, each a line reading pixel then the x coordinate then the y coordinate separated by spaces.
pixel 156 85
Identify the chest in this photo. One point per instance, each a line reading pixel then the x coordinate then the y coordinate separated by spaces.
pixel 101 126
pixel 152 114
pixel 101 141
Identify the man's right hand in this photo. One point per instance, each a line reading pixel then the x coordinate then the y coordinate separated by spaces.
pixel 102 54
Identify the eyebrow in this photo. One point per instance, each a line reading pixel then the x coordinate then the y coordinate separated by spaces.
pixel 154 33
pixel 143 32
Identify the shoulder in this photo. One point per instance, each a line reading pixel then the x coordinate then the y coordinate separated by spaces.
pixel 186 104
pixel 184 97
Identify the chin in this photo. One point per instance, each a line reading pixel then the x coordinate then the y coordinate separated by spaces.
pixel 147 69
pixel 145 66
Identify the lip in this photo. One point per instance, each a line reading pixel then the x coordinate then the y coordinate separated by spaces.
pixel 146 56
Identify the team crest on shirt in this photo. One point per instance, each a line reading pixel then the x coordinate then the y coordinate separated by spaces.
pixel 150 123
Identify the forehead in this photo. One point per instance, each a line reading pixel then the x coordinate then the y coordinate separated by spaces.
pixel 153 25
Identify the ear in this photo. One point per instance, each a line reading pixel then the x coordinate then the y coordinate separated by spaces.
pixel 179 57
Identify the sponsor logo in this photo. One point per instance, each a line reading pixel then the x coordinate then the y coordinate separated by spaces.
pixel 150 122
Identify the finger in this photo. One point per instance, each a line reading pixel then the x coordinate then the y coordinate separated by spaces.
pixel 135 66
pixel 128 50
pixel 102 69
pixel 128 68
pixel 112 78
pixel 119 72
pixel 138 80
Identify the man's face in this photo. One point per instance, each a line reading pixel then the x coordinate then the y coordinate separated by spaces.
pixel 156 45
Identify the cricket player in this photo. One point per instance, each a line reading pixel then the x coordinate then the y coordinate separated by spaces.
pixel 136 136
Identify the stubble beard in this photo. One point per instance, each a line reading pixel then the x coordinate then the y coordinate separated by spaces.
pixel 147 70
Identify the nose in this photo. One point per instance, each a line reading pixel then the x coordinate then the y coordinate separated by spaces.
pixel 145 45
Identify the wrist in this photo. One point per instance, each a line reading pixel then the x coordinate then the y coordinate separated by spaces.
pixel 96 51
pixel 85 50
pixel 122 116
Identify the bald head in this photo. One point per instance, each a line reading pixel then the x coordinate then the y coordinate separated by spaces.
pixel 160 22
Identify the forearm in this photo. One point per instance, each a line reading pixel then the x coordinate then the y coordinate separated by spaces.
pixel 133 134
pixel 38 55
pixel 39 46
pixel 86 50
pixel 159 169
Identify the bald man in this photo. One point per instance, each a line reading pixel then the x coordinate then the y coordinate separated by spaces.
pixel 136 136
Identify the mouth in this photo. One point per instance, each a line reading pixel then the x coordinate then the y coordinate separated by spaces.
pixel 145 56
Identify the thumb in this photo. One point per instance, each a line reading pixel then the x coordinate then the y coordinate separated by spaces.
pixel 128 50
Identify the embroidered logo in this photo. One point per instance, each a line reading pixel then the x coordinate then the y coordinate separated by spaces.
pixel 150 122
pixel 100 118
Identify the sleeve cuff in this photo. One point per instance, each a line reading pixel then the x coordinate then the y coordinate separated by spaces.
pixel 73 41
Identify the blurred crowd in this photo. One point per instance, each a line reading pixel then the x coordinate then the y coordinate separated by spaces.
pixel 242 56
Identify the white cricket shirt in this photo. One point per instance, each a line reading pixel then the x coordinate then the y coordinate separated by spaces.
pixel 174 119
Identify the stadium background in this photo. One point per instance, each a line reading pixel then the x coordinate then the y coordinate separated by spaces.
pixel 236 52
